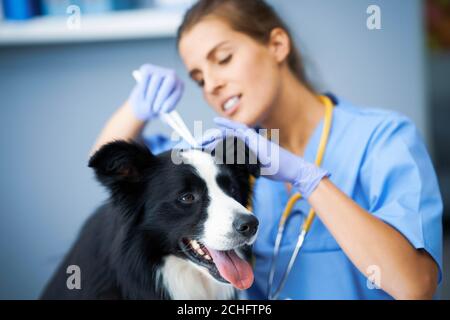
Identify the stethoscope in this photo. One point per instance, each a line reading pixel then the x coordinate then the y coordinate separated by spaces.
pixel 288 210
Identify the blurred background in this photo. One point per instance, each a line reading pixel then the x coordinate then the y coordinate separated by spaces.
pixel 65 67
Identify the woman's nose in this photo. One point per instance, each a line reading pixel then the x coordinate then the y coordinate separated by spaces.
pixel 212 84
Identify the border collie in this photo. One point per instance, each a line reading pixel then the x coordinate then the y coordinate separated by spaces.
pixel 168 230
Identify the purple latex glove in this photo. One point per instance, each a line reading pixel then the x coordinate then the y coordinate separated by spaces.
pixel 158 91
pixel 277 163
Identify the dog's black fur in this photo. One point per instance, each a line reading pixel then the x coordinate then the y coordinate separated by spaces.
pixel 122 245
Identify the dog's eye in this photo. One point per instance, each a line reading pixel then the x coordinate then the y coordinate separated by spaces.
pixel 187 198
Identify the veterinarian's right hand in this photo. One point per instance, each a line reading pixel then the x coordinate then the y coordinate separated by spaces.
pixel 158 91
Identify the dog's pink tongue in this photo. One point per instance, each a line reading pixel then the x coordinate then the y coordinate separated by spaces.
pixel 232 268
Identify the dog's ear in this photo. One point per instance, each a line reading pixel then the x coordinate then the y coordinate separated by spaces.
pixel 243 156
pixel 121 164
pixel 234 151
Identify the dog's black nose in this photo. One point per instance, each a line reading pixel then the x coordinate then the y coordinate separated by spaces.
pixel 246 225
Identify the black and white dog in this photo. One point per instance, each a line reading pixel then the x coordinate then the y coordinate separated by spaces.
pixel 168 231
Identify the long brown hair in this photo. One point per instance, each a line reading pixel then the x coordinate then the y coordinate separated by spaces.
pixel 254 18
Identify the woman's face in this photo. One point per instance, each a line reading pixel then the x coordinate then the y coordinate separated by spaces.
pixel 240 77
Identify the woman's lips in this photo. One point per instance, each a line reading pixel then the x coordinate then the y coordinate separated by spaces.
pixel 232 110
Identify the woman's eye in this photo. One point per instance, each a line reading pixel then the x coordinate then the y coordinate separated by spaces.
pixel 187 198
pixel 200 83
pixel 226 60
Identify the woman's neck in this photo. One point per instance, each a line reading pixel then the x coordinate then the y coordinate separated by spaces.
pixel 296 113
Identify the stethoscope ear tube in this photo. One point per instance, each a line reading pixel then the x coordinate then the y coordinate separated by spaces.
pixel 287 212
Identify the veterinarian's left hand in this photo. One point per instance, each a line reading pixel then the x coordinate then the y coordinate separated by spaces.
pixel 282 164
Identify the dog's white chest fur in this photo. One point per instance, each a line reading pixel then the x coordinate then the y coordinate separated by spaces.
pixel 187 281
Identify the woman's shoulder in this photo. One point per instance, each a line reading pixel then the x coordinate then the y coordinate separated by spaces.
pixel 374 122
pixel 371 114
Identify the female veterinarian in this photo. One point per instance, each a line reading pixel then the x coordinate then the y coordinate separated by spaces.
pixel 364 173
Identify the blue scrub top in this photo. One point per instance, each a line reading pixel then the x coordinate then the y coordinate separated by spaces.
pixel 379 159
